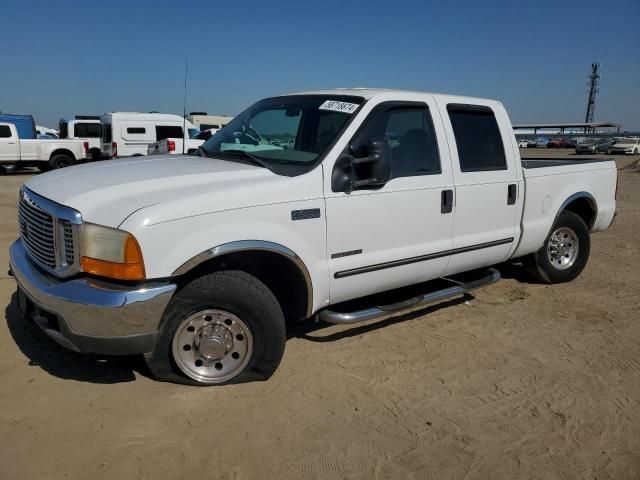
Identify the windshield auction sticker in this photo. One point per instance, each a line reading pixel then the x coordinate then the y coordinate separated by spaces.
pixel 336 106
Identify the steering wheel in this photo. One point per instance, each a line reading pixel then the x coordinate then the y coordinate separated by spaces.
pixel 247 138
pixel 252 134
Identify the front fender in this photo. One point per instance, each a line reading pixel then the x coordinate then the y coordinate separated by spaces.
pixel 172 248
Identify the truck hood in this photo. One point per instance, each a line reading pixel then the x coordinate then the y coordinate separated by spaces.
pixel 108 192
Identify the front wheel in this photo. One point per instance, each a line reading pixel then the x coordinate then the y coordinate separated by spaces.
pixel 224 327
pixel 565 251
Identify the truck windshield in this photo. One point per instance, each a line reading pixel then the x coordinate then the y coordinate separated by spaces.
pixel 291 130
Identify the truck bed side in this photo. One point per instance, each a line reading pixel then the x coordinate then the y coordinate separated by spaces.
pixel 41 149
pixel 550 185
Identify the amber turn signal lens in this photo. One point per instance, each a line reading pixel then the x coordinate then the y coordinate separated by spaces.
pixel 131 269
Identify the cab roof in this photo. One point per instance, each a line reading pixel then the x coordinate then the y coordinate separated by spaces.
pixel 369 93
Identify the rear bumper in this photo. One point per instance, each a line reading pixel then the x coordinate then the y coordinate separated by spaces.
pixel 90 315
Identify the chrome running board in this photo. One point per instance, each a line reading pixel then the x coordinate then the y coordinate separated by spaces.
pixel 414 303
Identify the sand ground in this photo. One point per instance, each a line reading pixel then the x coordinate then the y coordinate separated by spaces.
pixel 521 381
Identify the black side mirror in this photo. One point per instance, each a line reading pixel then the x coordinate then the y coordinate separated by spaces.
pixel 364 167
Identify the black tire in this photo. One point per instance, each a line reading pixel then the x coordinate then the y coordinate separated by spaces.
pixel 241 295
pixel 95 155
pixel 12 168
pixel 60 161
pixel 548 271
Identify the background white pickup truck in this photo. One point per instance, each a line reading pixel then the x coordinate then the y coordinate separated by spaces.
pixel 339 205
pixel 174 146
pixel 46 154
pixel 86 128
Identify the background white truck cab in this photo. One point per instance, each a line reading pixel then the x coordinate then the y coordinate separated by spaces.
pixel 203 121
pixel 46 154
pixel 86 128
pixel 127 134
pixel 343 205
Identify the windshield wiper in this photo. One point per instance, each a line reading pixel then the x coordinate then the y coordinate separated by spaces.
pixel 249 156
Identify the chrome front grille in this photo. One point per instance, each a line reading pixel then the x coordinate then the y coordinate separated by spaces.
pixel 48 232
pixel 36 230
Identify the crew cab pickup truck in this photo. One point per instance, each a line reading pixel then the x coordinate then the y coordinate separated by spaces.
pixel 386 201
pixel 46 154
pixel 174 146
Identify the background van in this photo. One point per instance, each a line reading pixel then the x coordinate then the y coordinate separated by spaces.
pixel 126 134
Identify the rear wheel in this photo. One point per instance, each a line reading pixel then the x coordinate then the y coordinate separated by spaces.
pixel 60 161
pixel 224 327
pixel 565 251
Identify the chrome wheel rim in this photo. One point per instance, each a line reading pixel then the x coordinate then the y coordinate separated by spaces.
pixel 562 249
pixel 212 346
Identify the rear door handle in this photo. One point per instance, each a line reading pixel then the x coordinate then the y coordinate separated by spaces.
pixel 446 204
pixel 512 194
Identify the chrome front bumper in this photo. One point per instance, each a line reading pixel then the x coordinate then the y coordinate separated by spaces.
pixel 87 314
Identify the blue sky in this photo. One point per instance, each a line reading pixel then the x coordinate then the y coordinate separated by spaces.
pixel 62 58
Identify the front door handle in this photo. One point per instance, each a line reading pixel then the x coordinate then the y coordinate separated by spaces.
pixel 446 204
pixel 512 194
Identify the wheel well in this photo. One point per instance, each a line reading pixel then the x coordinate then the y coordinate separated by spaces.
pixel 62 151
pixel 584 208
pixel 281 275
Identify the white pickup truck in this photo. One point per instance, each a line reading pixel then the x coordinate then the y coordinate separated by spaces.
pixel 46 154
pixel 201 263
pixel 174 146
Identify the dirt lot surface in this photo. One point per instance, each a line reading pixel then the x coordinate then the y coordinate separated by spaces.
pixel 520 381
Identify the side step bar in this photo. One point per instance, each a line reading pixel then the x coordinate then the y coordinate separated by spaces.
pixel 345 318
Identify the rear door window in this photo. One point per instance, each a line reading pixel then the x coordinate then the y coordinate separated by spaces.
pixel 478 138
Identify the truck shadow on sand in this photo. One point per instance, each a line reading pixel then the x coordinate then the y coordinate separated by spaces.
pixel 44 353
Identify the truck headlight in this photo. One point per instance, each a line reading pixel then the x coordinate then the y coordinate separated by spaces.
pixel 109 252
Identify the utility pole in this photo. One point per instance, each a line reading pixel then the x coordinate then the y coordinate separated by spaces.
pixel 594 80
pixel 184 106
